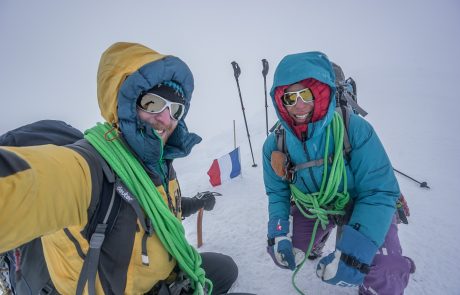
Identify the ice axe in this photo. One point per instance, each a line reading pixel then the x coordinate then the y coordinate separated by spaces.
pixel 199 218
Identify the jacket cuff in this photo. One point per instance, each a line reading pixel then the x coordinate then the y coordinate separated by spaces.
pixel 278 227
pixel 355 244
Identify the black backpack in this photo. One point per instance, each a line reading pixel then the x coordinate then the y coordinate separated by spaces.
pixel 25 267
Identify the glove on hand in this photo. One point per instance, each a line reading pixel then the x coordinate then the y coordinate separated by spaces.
pixel 350 262
pixel 280 245
pixel 207 200
pixel 402 210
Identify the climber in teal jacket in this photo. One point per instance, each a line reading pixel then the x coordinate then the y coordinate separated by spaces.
pixel 361 182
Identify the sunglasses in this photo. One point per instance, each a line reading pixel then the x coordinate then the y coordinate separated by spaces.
pixel 290 98
pixel 152 103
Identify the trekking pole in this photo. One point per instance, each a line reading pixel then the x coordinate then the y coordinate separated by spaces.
pixel 237 72
pixel 422 184
pixel 264 73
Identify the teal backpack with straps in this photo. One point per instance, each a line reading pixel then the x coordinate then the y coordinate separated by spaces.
pixel 23 270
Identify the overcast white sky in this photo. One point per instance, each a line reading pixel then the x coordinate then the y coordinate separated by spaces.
pixel 50 50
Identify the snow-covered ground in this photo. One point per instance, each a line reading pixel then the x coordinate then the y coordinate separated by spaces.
pixel 237 225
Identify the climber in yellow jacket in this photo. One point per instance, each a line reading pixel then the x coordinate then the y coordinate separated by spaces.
pixel 52 191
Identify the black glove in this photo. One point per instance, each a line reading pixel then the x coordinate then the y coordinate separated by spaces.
pixel 205 200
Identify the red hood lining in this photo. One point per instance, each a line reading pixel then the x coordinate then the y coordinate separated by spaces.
pixel 320 91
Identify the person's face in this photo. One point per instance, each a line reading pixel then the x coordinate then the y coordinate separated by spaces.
pixel 162 122
pixel 301 112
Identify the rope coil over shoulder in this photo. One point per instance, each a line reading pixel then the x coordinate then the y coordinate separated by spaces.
pixel 167 227
pixel 328 201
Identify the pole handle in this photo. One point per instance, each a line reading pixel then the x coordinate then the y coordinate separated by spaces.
pixel 265 67
pixel 236 69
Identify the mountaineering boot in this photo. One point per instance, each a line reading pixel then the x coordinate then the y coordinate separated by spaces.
pixel 412 264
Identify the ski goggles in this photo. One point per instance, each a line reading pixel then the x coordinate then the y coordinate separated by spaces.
pixel 152 103
pixel 290 98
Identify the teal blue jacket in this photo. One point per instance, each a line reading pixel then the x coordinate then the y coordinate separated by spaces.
pixel 371 181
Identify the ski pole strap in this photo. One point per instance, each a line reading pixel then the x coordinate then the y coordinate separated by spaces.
pixel 355 263
pixel 167 227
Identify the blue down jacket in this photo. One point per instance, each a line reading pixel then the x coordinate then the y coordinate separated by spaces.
pixel 371 180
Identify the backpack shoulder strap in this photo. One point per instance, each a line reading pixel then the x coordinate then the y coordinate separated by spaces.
pixel 91 262
pixel 102 223
pixel 145 222
pixel 102 214
pixel 280 135
pixel 344 112
pixel 289 170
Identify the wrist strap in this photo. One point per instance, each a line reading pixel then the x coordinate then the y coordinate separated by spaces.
pixel 271 242
pixel 355 263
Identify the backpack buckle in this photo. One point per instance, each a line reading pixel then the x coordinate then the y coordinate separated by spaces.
pixel 46 290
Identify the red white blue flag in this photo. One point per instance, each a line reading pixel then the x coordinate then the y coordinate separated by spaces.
pixel 225 168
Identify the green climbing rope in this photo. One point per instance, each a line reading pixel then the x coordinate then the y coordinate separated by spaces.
pixel 328 201
pixel 168 228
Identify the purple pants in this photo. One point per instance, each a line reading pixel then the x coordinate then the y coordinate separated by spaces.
pixel 390 270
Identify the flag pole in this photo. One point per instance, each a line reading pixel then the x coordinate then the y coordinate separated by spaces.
pixel 234 135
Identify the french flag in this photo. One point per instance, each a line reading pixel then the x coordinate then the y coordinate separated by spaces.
pixel 225 168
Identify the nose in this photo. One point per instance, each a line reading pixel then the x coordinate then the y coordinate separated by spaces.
pixel 163 117
pixel 304 106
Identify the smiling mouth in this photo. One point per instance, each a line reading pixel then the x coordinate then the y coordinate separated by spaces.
pixel 160 132
pixel 301 116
